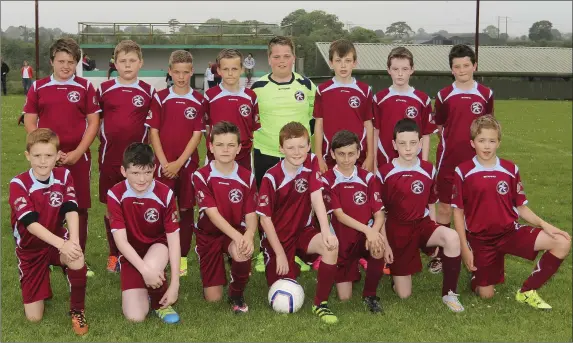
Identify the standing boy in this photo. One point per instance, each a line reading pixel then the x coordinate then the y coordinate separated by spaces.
pixel 144 224
pixel 408 194
pixel 488 198
pixel 226 194
pixel 457 105
pixel 283 96
pixel 176 123
pixel 230 102
pixel 125 102
pixel 343 103
pixel 290 192
pixel 41 198
pixel 352 195
pixel 68 105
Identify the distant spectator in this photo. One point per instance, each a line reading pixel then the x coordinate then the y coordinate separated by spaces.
pixel 249 65
pixel 27 76
pixel 216 77
pixel 168 80
pixel 209 76
pixel 111 66
pixel 5 71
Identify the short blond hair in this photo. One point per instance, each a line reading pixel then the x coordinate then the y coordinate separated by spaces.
pixel 127 46
pixel 180 56
pixel 280 40
pixel 42 135
pixel 229 54
pixel 485 122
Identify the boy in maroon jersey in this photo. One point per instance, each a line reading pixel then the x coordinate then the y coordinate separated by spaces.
pixel 343 103
pixel 289 193
pixel 230 102
pixel 226 194
pixel 456 106
pixel 488 198
pixel 176 122
pixel 68 105
pixel 40 199
pixel 125 103
pixel 352 195
pixel 409 198
pixel 145 227
pixel 397 102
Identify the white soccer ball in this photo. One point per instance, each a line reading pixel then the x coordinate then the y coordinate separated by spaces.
pixel 286 296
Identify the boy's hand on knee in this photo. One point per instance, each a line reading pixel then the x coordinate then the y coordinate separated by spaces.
pixel 330 241
pixel 553 232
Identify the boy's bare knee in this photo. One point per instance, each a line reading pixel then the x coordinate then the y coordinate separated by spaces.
pixel 403 294
pixel 135 318
pixel 563 247
pixel 486 292
pixel 344 297
pixel 34 318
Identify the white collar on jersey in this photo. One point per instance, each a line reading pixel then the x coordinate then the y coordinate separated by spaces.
pixel 415 166
pixel 395 91
pixel 462 91
pixel 225 90
pixel 142 195
pixel 133 84
pixel 50 182
pixel 70 80
pixel 339 174
pixel 216 173
pixel 496 166
pixel 298 171
pixel 344 84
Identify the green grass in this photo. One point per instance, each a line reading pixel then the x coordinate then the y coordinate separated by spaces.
pixel 537 136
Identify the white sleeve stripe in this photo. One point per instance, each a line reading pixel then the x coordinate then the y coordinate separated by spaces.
pixel 18 181
pixel 23 214
pixel 111 195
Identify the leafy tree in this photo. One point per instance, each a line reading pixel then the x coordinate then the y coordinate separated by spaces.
pixel 541 30
pixel 361 35
pixel 491 31
pixel 399 29
pixel 556 34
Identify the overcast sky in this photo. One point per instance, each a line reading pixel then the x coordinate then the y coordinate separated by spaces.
pixel 452 16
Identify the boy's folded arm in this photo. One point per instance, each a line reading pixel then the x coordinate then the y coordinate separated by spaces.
pixel 222 224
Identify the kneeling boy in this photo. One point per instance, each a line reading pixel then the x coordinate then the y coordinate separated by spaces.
pixel 145 228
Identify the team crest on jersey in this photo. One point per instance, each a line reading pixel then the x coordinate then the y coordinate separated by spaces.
pixel 137 101
pixel 151 215
pixel 520 189
pixel 502 187
pixel 377 197
pixel 245 110
pixel 411 112
pixel 56 199
pixel 354 101
pixel 299 96
pixel 476 108
pixel 301 185
pixel 235 196
pixel 190 113
pixel 264 200
pixel 417 187
pixel 20 203
pixel 200 197
pixel 74 96
pixel 359 198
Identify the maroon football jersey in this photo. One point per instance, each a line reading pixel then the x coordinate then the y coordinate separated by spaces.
pixel 358 196
pixel 390 106
pixel 488 196
pixel 124 109
pixel 286 199
pixel 241 109
pixel 456 110
pixel 27 195
pixel 146 217
pixel 343 107
pixel 406 192
pixel 63 107
pixel 233 195
pixel 176 117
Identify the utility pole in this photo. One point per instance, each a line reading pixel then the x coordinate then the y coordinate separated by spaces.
pixel 498 27
pixel 477 33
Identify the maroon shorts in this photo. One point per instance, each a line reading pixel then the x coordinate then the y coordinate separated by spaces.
pixel 35 272
pixel 349 253
pixel 444 185
pixel 211 251
pixel 406 239
pixel 297 246
pixel 182 186
pixel 81 173
pixel 130 277
pixel 109 176
pixel 244 161
pixel 489 256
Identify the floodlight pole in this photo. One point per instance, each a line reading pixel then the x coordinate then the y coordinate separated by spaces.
pixel 37 43
pixel 477 32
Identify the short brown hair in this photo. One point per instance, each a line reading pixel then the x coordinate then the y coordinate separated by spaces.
pixel 293 129
pixel 280 40
pixel 229 54
pixel 138 154
pixel 67 45
pixel 485 122
pixel 224 127
pixel 341 47
pixel 400 52
pixel 344 138
pixel 180 56
pixel 42 135
pixel 127 46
